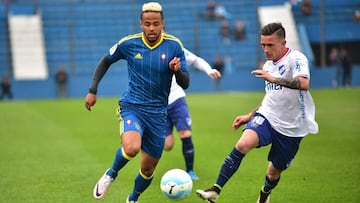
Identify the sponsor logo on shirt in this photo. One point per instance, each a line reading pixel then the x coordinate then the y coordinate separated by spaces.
pixel 302 105
pixel 272 86
pixel 138 56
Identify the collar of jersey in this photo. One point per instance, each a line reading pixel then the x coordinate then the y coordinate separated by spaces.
pixel 155 45
pixel 286 52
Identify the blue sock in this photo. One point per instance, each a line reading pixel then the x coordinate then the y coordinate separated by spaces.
pixel 141 183
pixel 269 185
pixel 188 152
pixel 229 167
pixel 120 161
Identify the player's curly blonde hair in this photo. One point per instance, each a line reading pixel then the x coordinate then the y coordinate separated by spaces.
pixel 152 7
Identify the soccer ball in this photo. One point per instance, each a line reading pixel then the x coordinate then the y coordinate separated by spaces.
pixel 176 184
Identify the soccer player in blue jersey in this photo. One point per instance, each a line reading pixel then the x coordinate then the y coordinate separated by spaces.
pixel 153 58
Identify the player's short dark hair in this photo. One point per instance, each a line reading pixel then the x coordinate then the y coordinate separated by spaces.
pixel 272 28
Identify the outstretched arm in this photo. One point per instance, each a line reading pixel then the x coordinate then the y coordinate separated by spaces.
pixel 99 73
pixel 201 64
pixel 301 83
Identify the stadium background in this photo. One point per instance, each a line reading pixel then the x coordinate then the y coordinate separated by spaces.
pixel 77 33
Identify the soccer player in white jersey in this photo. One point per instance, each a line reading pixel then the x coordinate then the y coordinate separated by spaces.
pixel 285 115
pixel 179 116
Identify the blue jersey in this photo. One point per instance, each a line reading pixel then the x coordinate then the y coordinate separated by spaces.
pixel 149 75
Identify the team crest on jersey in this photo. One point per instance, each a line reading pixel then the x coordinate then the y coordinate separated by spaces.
pixel 113 49
pixel 163 57
pixel 282 69
pixel 136 124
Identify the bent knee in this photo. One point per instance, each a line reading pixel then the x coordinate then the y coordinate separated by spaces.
pixel 273 177
pixel 147 170
pixel 248 141
pixel 243 147
pixel 148 173
pixel 185 133
pixel 272 172
pixel 168 147
pixel 131 150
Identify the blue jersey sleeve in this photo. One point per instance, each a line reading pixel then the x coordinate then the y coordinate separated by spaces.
pixel 115 53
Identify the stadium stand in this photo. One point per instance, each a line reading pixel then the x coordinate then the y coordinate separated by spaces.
pixel 78 32
pixel 77 37
pixel 4 49
pixel 340 26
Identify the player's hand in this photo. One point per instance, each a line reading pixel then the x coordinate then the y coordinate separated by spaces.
pixel 214 74
pixel 175 64
pixel 240 120
pixel 263 74
pixel 90 101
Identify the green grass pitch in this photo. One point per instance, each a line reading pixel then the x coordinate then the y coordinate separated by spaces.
pixel 55 151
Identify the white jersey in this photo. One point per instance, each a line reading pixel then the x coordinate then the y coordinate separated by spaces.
pixel 192 60
pixel 291 112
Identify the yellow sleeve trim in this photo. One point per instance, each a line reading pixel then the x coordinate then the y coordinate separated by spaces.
pixel 129 37
pixel 171 37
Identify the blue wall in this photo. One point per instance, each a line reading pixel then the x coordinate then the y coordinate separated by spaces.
pixel 341 32
pixel 115 82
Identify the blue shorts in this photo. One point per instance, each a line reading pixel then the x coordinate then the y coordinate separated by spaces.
pixel 178 116
pixel 283 148
pixel 151 128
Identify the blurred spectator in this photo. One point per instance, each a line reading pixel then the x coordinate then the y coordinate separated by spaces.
pixel 61 81
pixel 306 7
pixel 210 10
pixel 6 88
pixel 225 31
pixel 357 16
pixel 228 65
pixel 221 12
pixel 239 30
pixel 346 66
pixel 218 64
pixel 294 2
pixel 334 60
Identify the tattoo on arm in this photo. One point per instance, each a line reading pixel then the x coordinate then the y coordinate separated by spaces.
pixel 292 84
